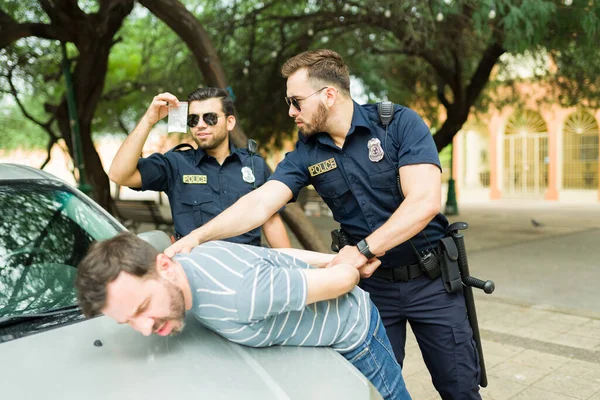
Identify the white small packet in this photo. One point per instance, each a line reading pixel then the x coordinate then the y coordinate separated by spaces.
pixel 177 121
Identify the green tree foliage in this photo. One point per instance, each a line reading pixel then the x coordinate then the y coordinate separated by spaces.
pixel 419 53
pixel 149 58
pixel 427 55
pixel 577 81
pixel 26 83
pixel 432 55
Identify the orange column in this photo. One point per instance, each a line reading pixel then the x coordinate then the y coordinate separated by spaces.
pixel 555 120
pixel 494 129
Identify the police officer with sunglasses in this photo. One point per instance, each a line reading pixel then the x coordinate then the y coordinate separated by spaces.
pixel 382 182
pixel 200 181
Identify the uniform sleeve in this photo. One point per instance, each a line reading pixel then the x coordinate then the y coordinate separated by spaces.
pixel 157 172
pixel 268 290
pixel 416 142
pixel 266 176
pixel 292 172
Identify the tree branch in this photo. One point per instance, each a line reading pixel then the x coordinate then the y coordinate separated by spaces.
pixel 482 74
pixel 191 31
pixel 458 83
pixel 5 19
pixel 50 10
pixel 47 126
pixel 51 143
pixel 122 91
pixel 11 32
pixel 13 92
pixel 441 95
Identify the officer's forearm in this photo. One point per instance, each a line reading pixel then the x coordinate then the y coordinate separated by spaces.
pixel 410 218
pixel 124 164
pixel 249 212
pixel 275 232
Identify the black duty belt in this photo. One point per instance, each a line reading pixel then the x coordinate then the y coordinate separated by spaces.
pixel 404 273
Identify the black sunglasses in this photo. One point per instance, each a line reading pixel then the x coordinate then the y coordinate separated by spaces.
pixel 210 118
pixel 294 101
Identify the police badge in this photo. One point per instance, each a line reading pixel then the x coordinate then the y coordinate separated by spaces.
pixel 375 150
pixel 247 175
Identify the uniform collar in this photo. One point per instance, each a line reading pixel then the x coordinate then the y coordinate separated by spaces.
pixel 360 118
pixel 233 152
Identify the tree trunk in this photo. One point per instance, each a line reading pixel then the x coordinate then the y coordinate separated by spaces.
pixel 458 112
pixel 95 176
pixel 94 41
pixel 190 30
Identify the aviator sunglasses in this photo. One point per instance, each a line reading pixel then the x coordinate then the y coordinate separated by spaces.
pixel 210 118
pixel 294 101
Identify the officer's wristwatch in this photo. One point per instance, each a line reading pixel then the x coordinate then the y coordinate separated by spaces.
pixel 363 248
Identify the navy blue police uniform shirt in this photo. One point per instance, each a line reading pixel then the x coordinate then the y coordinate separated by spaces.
pixel 361 193
pixel 199 188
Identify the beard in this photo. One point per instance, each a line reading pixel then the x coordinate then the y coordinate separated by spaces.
pixel 213 142
pixel 318 123
pixel 177 309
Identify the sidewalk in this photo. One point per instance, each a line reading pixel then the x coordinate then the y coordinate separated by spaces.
pixel 530 354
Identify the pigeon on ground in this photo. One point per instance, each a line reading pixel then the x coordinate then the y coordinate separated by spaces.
pixel 535 223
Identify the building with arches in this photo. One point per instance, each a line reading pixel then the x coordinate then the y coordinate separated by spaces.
pixel 537 150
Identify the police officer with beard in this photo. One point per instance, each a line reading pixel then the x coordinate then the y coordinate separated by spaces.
pixel 383 187
pixel 200 182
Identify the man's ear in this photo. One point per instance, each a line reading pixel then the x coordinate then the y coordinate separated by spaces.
pixel 230 122
pixel 331 94
pixel 164 265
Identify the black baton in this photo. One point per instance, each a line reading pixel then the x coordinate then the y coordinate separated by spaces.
pixel 468 283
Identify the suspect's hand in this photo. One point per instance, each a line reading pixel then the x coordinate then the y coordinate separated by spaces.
pixel 350 255
pixel 370 267
pixel 183 245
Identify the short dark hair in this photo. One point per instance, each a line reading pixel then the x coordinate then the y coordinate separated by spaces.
pixel 324 66
pixel 104 262
pixel 206 93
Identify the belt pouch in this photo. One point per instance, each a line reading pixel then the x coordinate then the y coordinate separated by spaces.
pixel 449 265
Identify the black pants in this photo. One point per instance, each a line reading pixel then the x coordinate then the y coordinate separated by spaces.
pixel 439 322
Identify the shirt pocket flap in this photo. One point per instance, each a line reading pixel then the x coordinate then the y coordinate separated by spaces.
pixel 332 188
pixel 194 199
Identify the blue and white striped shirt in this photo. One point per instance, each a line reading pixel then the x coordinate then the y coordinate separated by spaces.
pixel 256 297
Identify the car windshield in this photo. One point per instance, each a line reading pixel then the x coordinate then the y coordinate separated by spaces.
pixel 45 230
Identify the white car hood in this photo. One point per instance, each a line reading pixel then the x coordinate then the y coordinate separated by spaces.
pixel 65 363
